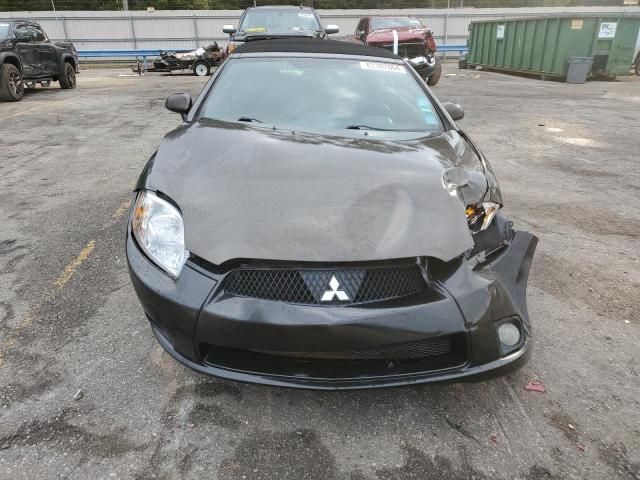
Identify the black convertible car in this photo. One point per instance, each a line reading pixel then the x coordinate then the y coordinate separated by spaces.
pixel 327 227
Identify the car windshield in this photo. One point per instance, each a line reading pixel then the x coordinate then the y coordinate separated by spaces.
pixel 383 23
pixel 4 30
pixel 279 21
pixel 344 97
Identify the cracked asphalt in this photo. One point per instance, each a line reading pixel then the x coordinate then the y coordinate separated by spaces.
pixel 86 391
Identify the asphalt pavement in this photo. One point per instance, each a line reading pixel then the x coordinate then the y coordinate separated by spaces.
pixel 87 393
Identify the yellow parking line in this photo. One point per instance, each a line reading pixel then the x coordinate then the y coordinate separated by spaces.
pixel 70 269
pixel 9 341
pixel 122 209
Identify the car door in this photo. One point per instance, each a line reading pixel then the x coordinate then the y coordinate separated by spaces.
pixel 28 51
pixel 47 53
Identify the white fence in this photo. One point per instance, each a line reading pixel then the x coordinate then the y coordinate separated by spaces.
pixel 185 29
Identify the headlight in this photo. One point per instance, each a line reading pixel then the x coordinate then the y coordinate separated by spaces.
pixel 158 227
pixel 480 215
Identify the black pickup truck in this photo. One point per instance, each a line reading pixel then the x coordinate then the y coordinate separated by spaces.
pixel 28 57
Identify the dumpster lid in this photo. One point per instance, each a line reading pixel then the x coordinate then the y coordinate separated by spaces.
pixel 580 59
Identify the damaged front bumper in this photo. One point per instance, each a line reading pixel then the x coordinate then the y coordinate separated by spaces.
pixel 251 339
pixel 425 66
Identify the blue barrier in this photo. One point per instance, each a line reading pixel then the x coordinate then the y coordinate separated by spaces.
pixel 117 53
pixel 156 52
pixel 136 53
pixel 452 48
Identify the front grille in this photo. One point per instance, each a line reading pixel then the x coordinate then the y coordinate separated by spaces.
pixel 326 286
pixel 408 50
pixel 430 347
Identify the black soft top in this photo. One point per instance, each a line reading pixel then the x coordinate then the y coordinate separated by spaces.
pixel 313 45
pixel 300 8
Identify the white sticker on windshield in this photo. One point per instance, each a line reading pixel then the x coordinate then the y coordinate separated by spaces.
pixel 384 67
pixel 305 15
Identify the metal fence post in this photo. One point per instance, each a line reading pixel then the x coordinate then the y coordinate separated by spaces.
pixel 64 28
pixel 133 33
pixel 195 29
pixel 446 25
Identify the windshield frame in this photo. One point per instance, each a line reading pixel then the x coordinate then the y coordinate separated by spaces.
pixel 195 113
pixel 373 20
pixel 248 11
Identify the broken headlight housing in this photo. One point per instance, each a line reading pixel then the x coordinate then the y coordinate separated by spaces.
pixel 232 46
pixel 159 230
pixel 480 215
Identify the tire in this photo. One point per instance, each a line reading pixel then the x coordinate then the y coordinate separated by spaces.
pixel 68 78
pixel 637 69
pixel 435 76
pixel 201 68
pixel 11 86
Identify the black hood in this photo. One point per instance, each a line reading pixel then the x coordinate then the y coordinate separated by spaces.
pixel 248 192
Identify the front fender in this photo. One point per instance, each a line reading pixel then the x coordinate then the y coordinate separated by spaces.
pixel 493 192
pixel 6 55
pixel 68 57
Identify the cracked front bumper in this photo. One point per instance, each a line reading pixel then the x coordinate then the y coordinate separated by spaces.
pixel 249 339
pixel 424 66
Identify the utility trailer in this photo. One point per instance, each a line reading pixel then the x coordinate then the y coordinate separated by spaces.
pixel 199 61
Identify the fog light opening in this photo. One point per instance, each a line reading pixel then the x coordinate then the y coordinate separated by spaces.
pixel 509 334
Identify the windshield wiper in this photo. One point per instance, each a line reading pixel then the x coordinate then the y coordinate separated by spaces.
pixel 366 127
pixel 369 127
pixel 249 119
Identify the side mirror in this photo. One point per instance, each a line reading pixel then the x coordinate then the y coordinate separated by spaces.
pixel 361 35
pixel 455 111
pixel 179 103
pixel 329 29
pixel 230 29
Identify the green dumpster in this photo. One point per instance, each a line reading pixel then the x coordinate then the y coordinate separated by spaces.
pixel 545 45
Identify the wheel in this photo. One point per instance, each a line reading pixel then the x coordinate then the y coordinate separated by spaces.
pixel 435 76
pixel 68 78
pixel 638 67
pixel 11 87
pixel 201 68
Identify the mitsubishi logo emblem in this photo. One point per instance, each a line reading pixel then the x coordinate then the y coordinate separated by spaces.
pixel 328 295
